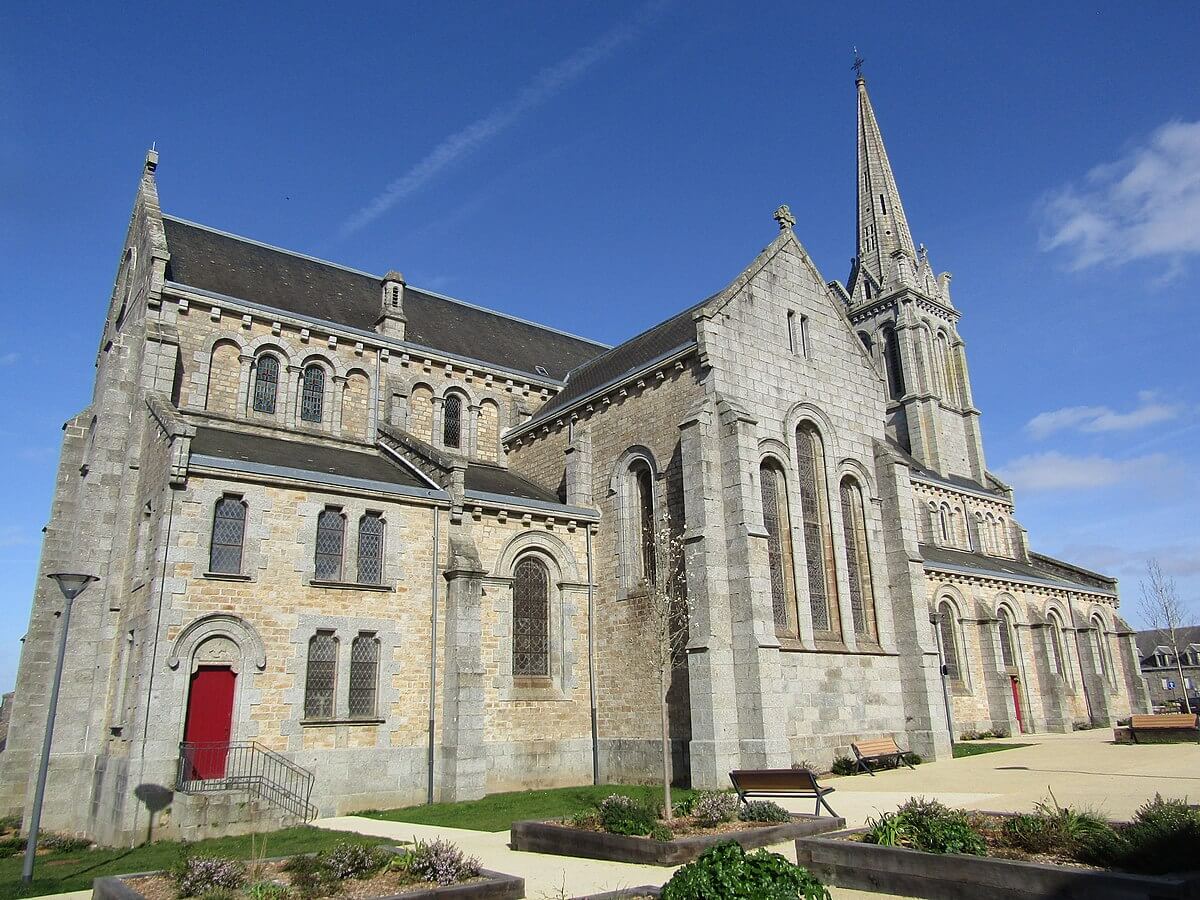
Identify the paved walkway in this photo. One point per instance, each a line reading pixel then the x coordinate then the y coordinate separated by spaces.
pixel 1083 769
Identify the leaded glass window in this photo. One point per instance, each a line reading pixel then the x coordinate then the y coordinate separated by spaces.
pixel 895 369
pixel 818 546
pixel 1006 639
pixel 644 491
pixel 331 533
pixel 452 421
pixel 858 559
pixel 531 618
pixel 320 680
pixel 944 525
pixel 228 531
pixel 1056 650
pixel 370 549
pixel 775 520
pixel 312 394
pixel 949 642
pixel 1098 646
pixel 266 383
pixel 364 674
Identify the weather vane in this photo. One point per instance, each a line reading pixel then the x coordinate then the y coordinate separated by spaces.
pixel 858 64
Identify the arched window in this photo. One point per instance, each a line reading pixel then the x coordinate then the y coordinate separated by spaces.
pixel 320 679
pixel 531 618
pixel 990 543
pixel 866 341
pixel 1054 629
pixel 818 542
pixel 312 394
pixel 1099 646
pixel 858 559
pixel 643 512
pixel 1006 638
pixel 778 522
pixel 946 366
pixel 947 626
pixel 944 524
pixel 331 534
pixel 891 357
pixel 364 674
pixel 266 383
pixel 370 549
pixel 452 421
pixel 228 533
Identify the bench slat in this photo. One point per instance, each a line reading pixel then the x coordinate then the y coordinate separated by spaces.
pixel 1168 720
pixel 878 747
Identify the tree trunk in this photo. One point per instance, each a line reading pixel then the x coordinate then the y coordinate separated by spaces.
pixel 1187 704
pixel 665 684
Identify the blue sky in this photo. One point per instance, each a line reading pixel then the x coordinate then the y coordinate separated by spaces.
pixel 598 167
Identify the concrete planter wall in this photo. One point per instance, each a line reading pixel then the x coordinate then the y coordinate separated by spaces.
pixel 495 886
pixel 562 840
pixel 898 870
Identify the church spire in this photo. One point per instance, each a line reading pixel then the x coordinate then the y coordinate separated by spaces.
pixel 882 225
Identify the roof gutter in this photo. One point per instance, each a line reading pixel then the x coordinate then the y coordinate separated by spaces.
pixel 952 569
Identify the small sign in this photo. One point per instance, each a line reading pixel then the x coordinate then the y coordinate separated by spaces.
pixel 1171 685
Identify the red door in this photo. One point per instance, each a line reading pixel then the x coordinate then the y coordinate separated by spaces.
pixel 209 720
pixel 1016 689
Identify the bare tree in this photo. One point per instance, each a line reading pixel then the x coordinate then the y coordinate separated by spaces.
pixel 1162 610
pixel 666 627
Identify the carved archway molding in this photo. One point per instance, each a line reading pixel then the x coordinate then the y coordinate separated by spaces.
pixel 218 625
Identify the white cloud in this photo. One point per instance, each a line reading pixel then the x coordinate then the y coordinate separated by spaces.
pixel 1176 559
pixel 9 359
pixel 1054 471
pixel 1145 205
pixel 548 83
pixel 1149 411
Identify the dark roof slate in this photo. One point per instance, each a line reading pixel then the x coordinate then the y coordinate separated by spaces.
pixel 495 480
pixel 320 459
pixel 997 567
pixel 1147 641
pixel 226 264
pixel 921 470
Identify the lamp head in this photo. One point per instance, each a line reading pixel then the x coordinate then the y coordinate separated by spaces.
pixel 72 584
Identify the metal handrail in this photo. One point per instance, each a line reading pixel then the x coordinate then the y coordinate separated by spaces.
pixel 206 766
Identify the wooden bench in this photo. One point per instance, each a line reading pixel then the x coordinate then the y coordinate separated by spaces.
pixel 1166 722
pixel 781 783
pixel 879 750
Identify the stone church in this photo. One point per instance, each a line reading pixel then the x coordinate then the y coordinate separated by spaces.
pixel 360 544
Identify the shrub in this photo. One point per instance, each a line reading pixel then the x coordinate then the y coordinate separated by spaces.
pixel 913 759
pixel 712 808
pixel 843 765
pixel 10 823
pixel 729 872
pixel 1031 833
pixel 661 833
pixel 62 843
pixel 1162 837
pixel 683 806
pixel 999 732
pixel 441 862
pixel 619 814
pixel 218 893
pixel 347 860
pixel 926 825
pixel 310 877
pixel 11 845
pixel 268 890
pixel 197 876
pixel 763 811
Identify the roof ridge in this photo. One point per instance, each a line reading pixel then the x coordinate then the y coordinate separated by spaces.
pixel 615 347
pixel 436 294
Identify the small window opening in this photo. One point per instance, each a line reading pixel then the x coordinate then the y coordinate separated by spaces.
pixel 882 205
pixel 541 370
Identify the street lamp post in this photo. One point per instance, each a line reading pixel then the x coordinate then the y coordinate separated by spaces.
pixel 71 585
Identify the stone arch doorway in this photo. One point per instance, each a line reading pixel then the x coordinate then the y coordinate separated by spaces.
pixel 209 723
pixel 1016 695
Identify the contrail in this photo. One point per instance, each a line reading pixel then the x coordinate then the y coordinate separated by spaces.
pixel 548 83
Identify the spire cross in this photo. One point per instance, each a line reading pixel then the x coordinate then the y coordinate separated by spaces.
pixel 784 217
pixel 858 65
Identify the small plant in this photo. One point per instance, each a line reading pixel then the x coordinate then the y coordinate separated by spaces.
pixel 727 871
pixel 347 860
pixel 843 765
pixel 10 823
pixel 913 759
pixel 999 733
pixel 683 806
pixel 763 811
pixel 199 876
pixel 1031 833
pixel 310 877
pixel 712 808
pixel 926 825
pixel 661 833
pixel 62 843
pixel 218 893
pixel 1162 837
pixel 619 814
pixel 268 890
pixel 440 862
pixel 885 831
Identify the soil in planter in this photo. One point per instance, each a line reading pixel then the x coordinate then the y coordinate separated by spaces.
pixel 382 884
pixel 680 826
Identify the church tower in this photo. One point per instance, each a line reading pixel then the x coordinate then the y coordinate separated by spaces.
pixel 904 316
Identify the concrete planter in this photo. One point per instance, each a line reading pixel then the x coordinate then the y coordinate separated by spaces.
pixel 953 876
pixel 563 840
pixel 495 886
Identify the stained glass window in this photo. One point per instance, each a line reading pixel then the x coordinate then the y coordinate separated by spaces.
pixel 1006 639
pixel 370 549
pixel 312 394
pixel 331 529
pixel 779 536
pixel 1056 651
pixel 1098 640
pixel 452 421
pixel 321 677
pixel 266 383
pixel 949 643
pixel 531 618
pixel 228 530
pixel 814 509
pixel 364 674
pixel 895 369
pixel 644 491
pixel 858 559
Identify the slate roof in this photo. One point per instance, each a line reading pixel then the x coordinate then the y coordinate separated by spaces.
pixel 919 469
pixel 624 359
pixel 319 459
pixel 237 267
pixel 1147 641
pixel 495 480
pixel 1000 568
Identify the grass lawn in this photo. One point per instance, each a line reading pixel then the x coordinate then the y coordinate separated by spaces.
pixel 55 873
pixel 974 748
pixel 497 812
